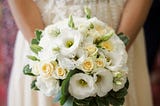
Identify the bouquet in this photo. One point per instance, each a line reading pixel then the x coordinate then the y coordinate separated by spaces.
pixel 80 62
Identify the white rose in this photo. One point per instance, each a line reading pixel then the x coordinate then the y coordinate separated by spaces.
pixel 103 81
pixel 81 86
pixel 60 73
pixel 48 86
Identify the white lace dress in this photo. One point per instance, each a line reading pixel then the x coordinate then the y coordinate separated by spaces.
pixel 108 11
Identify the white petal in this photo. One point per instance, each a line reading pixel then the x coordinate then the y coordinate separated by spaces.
pixel 77 90
pixel 49 86
pixel 105 83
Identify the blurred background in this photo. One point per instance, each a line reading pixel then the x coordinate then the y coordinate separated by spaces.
pixel 8 32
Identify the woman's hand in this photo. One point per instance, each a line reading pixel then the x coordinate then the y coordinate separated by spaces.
pixel 133 17
pixel 27 17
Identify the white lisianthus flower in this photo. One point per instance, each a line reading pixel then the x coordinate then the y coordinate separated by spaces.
pixel 99 26
pixel 119 78
pixel 36 68
pixel 49 86
pixel 69 42
pixel 49 44
pixel 116 60
pixel 103 81
pixel 47 68
pixel 51 30
pixel 114 44
pixel 60 73
pixel 81 86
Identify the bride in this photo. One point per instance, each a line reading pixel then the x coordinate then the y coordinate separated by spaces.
pixel 125 16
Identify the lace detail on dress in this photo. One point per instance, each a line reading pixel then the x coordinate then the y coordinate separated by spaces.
pixel 107 10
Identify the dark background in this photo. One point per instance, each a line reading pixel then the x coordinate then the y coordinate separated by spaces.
pixel 8 32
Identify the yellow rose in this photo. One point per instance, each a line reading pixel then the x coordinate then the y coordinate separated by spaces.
pixel 91 49
pixel 87 65
pixel 47 69
pixel 60 71
pixel 100 62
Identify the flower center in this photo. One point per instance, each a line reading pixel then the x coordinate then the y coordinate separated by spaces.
pixel 87 65
pixel 99 63
pixel 107 45
pixel 69 43
pixel 46 68
pixel 99 79
pixel 82 82
pixel 100 29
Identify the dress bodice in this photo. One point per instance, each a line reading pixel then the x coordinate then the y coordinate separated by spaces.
pixel 108 11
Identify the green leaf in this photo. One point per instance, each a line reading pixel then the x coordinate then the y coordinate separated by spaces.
pixel 35 48
pixel 35 41
pixel 38 34
pixel 27 70
pixel 65 85
pixel 87 11
pixel 101 101
pixel 33 85
pixel 116 102
pixel 83 102
pixel 119 94
pixel 127 84
pixel 33 58
pixel 124 38
pixel 63 99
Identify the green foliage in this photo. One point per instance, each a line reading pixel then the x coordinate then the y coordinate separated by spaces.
pixel 35 48
pixel 33 85
pixel 33 58
pixel 38 36
pixel 124 38
pixel 35 42
pixel 65 85
pixel 27 70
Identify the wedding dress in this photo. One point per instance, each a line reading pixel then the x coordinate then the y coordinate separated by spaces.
pixel 108 11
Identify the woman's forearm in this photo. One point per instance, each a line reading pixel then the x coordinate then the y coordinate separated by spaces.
pixel 133 17
pixel 27 17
